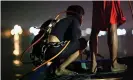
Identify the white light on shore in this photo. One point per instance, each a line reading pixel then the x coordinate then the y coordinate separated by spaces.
pixel 121 32
pixel 16 30
pixel 88 30
pixel 34 30
pixel 83 33
pixel 102 33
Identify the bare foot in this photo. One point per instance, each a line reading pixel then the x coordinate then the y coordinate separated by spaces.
pixel 94 67
pixel 118 67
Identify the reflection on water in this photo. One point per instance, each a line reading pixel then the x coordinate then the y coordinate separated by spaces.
pixel 18 76
pixel 17 62
pixel 16 31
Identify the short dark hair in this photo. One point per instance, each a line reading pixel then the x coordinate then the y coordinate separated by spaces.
pixel 71 10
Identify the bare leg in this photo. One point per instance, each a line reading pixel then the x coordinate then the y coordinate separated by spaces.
pixel 94 49
pixel 113 43
pixel 62 68
pixel 113 47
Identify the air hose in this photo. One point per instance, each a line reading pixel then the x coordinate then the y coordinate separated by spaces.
pixel 52 57
pixel 40 39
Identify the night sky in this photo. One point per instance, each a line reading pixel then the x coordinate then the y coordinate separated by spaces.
pixel 34 13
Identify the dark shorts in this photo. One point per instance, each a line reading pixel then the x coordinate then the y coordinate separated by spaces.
pixel 106 13
pixel 70 49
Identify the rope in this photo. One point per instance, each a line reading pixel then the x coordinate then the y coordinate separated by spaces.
pixel 49 30
pixel 60 51
pixel 52 57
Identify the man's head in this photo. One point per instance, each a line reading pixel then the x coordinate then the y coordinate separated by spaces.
pixel 75 9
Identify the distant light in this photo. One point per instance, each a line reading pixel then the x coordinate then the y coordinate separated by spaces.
pixel 16 62
pixel 7 33
pixel 121 32
pixel 12 32
pixel 16 37
pixel 83 33
pixel 102 33
pixel 88 30
pixel 118 31
pixel 16 52
pixel 34 30
pixel 99 34
pixel 18 75
pixel 16 30
pixel 132 32
pixel 31 29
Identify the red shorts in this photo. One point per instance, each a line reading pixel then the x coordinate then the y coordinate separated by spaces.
pixel 106 13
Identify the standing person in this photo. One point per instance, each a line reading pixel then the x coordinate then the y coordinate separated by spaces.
pixel 107 16
pixel 67 29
